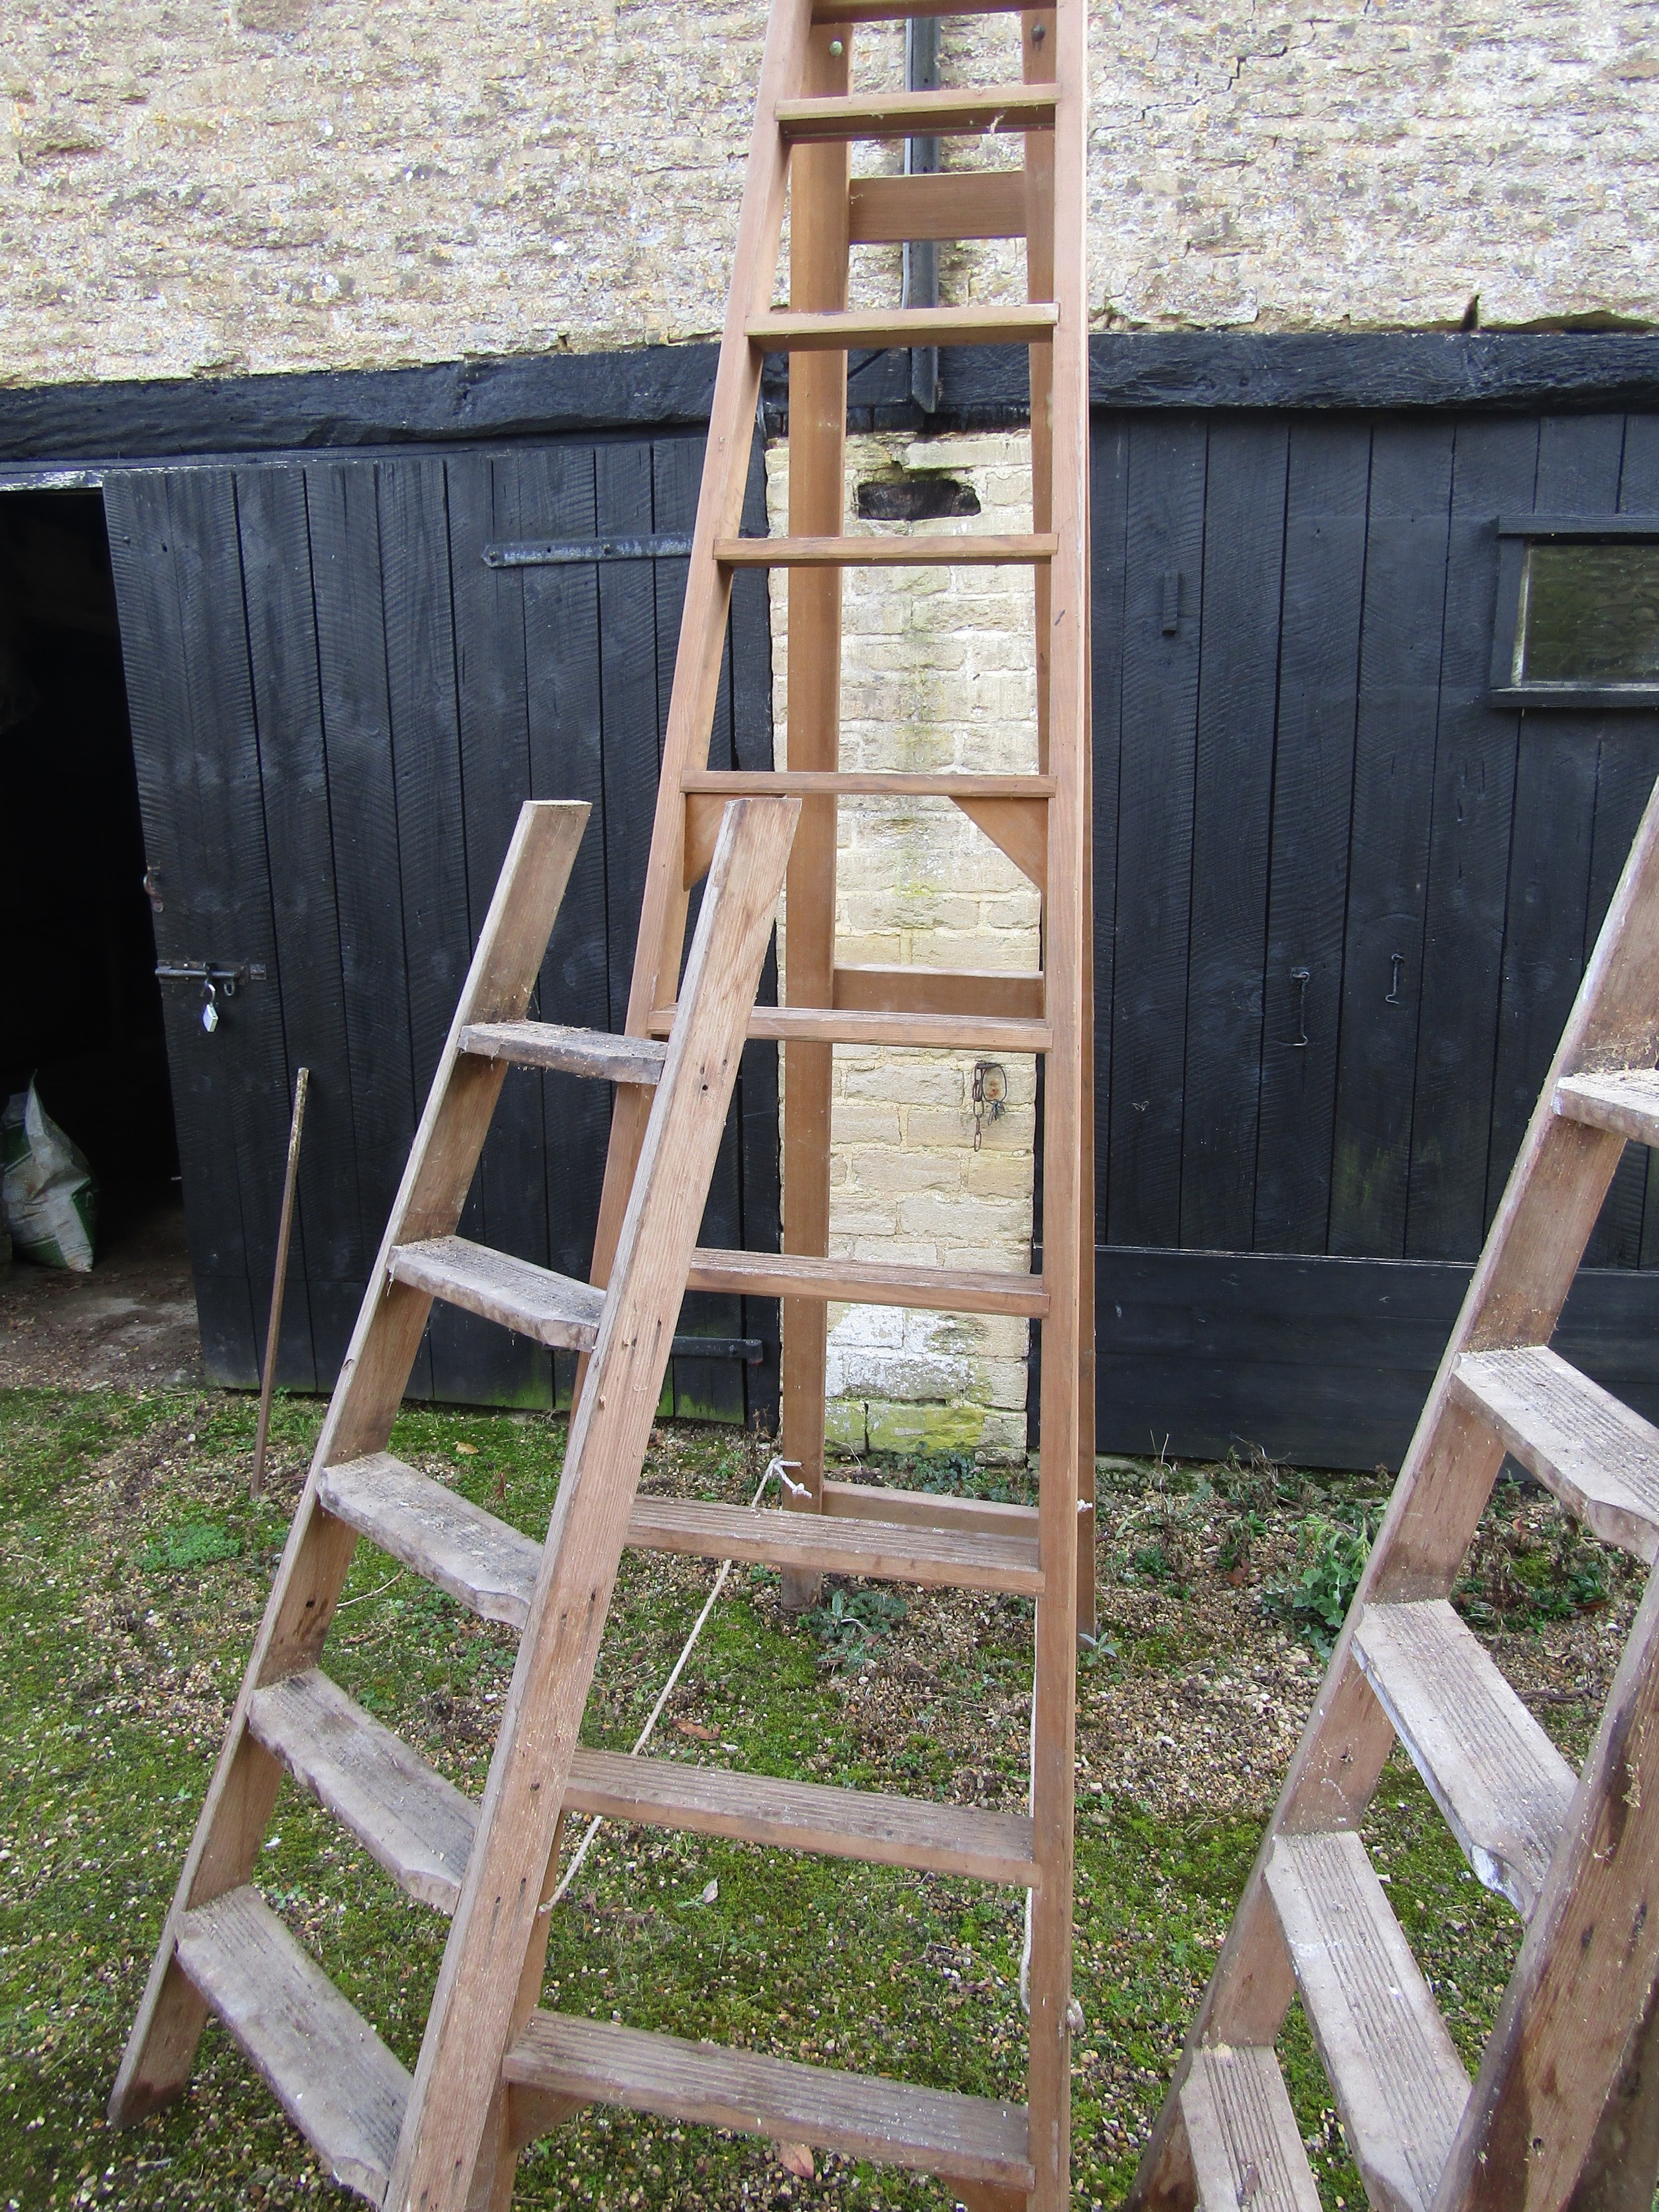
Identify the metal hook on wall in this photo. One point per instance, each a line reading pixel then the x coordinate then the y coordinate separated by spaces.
pixel 1304 976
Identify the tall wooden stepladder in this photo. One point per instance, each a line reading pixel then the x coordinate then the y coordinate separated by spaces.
pixel 808 117
pixel 494 2070
pixel 1564 2111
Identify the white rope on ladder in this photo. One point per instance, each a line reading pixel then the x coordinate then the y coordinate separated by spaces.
pixel 774 1467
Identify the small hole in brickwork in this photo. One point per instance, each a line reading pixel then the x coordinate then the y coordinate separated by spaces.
pixel 918 495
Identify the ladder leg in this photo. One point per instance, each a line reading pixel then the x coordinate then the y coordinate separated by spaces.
pixel 1578 2014
pixel 498 2153
pixel 484 1966
pixel 1060 410
pixel 1621 2173
pixel 1039 49
pixel 701 650
pixel 817 445
pixel 162 2048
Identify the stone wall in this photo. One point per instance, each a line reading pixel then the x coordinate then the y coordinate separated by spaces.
pixel 198 186
pixel 937 674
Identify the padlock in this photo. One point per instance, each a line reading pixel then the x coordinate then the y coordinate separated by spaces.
pixel 210 1011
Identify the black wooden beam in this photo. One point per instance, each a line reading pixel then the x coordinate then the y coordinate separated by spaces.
pixel 666 387
pixel 1543 371
pixel 1320 1362
pixel 475 402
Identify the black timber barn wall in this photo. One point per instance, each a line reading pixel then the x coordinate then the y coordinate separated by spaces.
pixel 1302 773
pixel 337 709
pixel 1343 904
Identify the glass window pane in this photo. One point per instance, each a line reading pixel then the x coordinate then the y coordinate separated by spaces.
pixel 1590 613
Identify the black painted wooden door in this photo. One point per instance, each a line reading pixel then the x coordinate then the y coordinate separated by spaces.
pixel 1343 904
pixel 337 709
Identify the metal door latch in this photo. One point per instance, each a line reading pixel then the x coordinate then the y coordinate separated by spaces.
pixel 214 977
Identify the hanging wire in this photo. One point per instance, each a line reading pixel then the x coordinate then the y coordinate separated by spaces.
pixel 774 1467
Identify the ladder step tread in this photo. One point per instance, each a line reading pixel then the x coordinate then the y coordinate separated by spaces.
pixel 1248 2152
pixel 330 2071
pixel 1600 1457
pixel 877 783
pixel 1503 1786
pixel 491 1568
pixel 478 1560
pixel 882 1829
pixel 1399 2081
pixel 933 549
pixel 863 2116
pixel 573 1051
pixel 859 1025
pixel 975 108
pixel 832 331
pixel 868 1282
pixel 532 1301
pixel 1625 1100
pixel 408 1819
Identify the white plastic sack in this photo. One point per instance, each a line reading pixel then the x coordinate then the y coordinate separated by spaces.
pixel 50 1198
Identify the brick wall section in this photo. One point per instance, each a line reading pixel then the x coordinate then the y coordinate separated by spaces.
pixel 189 186
pixel 937 674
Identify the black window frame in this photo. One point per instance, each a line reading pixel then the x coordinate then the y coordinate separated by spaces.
pixel 1517 534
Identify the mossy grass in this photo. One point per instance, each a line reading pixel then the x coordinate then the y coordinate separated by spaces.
pixel 133 1569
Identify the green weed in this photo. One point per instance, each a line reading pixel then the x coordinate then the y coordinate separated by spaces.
pixel 851 1623
pixel 198 1544
pixel 1331 1552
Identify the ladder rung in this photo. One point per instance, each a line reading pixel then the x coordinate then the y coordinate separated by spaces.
pixel 805 1816
pixel 968 110
pixel 958 204
pixel 831 1544
pixel 848 1025
pixel 532 1301
pixel 893 11
pixel 1624 1100
pixel 1503 1786
pixel 330 2071
pixel 481 1563
pixel 839 331
pixel 934 549
pixel 1399 2082
pixel 573 1052
pixel 868 1282
pixel 410 1820
pixel 860 2115
pixel 1246 2149
pixel 870 783
pixel 491 1568
pixel 1600 1458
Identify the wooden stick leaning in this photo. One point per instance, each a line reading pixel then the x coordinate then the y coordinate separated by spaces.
pixel 279 1283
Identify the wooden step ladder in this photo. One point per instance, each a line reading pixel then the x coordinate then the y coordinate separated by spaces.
pixel 1565 2107
pixel 494 2071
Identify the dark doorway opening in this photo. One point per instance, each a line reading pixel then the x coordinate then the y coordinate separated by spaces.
pixel 80 1005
